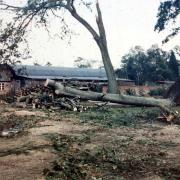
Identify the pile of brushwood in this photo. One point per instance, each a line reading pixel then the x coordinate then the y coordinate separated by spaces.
pixel 107 162
pixel 43 97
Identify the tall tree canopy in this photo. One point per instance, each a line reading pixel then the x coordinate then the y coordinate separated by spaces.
pixel 84 63
pixel 40 10
pixel 168 11
pixel 173 65
pixel 148 66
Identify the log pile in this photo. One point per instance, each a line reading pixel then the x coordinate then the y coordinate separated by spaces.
pixel 55 95
pixel 43 97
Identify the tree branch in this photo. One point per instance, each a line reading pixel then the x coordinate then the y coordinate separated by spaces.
pixel 9 7
pixel 71 8
pixel 100 24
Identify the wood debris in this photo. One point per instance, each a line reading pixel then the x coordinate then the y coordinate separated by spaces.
pixel 44 98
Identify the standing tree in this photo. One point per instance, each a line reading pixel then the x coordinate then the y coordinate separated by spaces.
pixel 173 65
pixel 135 65
pixel 42 9
pixel 84 63
pixel 168 11
pixel 10 42
pixel 48 63
pixel 158 59
pixel 146 66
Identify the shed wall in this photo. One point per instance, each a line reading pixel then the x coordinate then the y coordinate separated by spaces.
pixel 6 82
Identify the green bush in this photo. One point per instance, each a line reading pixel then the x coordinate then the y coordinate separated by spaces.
pixel 157 92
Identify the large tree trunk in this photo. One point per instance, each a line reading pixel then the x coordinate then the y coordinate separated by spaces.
pixel 112 83
pixel 100 39
pixel 115 98
pixel 102 43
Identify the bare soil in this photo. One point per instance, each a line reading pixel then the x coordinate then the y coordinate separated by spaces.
pixel 150 151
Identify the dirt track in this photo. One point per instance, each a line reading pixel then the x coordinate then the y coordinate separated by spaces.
pixel 26 155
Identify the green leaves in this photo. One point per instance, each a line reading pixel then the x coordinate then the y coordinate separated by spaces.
pixel 168 12
pixel 147 66
pixel 10 39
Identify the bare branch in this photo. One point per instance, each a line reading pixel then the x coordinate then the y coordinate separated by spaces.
pixel 9 7
pixel 71 8
pixel 100 24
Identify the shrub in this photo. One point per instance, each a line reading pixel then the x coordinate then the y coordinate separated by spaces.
pixel 157 92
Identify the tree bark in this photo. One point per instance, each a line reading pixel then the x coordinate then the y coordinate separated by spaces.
pixel 113 87
pixel 100 39
pixel 114 98
pixel 112 83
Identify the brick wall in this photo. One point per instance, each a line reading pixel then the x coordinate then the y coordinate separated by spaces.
pixel 5 87
pixel 137 89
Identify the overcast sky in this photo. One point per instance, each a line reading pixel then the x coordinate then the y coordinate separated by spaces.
pixel 127 22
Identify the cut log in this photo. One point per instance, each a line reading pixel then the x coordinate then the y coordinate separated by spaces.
pixel 20 105
pixel 22 98
pixel 115 98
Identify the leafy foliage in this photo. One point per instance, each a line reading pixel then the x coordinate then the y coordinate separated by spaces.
pixel 157 92
pixel 84 63
pixel 14 33
pixel 48 64
pixel 11 39
pixel 168 11
pixel 148 66
pixel 173 65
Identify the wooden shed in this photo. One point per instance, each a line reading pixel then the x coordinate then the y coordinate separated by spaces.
pixel 8 80
pixel 12 78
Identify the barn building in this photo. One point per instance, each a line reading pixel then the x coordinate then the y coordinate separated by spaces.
pixel 12 78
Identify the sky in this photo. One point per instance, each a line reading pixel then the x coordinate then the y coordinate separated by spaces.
pixel 127 22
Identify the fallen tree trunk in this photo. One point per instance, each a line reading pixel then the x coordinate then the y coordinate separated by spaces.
pixel 20 105
pixel 115 98
pixel 22 98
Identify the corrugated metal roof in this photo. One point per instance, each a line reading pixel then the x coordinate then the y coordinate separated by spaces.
pixel 45 72
pixel 67 78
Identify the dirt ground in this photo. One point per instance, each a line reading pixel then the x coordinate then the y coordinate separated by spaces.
pixel 147 151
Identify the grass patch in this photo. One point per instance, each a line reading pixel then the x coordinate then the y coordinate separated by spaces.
pixel 115 117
